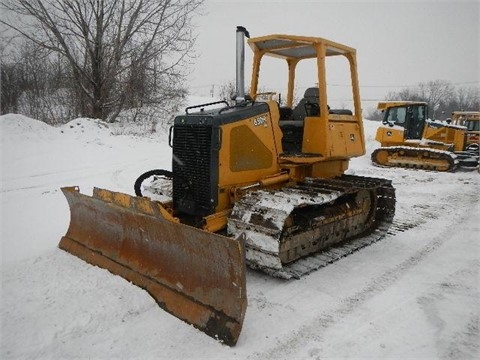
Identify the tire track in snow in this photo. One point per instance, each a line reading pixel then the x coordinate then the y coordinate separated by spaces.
pixel 314 330
pixel 464 342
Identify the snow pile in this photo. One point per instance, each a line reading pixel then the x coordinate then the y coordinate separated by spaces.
pixel 412 295
pixel 38 159
pixel 86 127
pixel 16 127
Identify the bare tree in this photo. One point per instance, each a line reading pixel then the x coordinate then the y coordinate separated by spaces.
pixel 436 93
pixel 106 42
pixel 468 99
pixel 227 91
pixel 373 114
pixel 36 83
pixel 11 91
pixel 406 94
pixel 442 97
pixel 9 77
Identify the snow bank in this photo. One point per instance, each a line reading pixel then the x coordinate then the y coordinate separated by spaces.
pixel 86 126
pixel 14 126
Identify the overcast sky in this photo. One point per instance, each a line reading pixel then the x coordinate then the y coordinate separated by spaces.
pixel 399 43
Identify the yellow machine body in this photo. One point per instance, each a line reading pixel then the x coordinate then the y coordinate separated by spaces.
pixel 191 252
pixel 409 139
pixel 471 120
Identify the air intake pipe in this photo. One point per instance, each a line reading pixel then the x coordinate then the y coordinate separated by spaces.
pixel 240 64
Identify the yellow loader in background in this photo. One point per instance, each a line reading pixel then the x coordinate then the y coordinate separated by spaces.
pixel 471 120
pixel 255 183
pixel 409 139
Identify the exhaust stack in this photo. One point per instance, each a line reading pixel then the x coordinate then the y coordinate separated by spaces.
pixel 240 64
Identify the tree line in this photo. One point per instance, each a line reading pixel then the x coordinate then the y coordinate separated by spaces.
pixel 442 98
pixel 125 59
pixel 95 58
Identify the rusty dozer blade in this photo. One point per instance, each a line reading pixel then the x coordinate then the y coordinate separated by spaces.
pixel 195 275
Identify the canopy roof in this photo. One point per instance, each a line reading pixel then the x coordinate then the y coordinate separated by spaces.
pixel 295 47
pixel 383 105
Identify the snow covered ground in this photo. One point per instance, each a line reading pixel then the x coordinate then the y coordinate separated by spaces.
pixel 414 294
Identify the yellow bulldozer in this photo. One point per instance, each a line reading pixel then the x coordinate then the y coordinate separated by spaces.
pixel 409 139
pixel 254 182
pixel 471 120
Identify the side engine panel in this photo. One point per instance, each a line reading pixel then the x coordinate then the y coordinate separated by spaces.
pixel 217 150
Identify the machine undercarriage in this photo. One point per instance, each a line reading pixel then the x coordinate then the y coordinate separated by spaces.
pixel 299 228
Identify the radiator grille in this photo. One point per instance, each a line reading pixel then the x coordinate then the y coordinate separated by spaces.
pixel 192 181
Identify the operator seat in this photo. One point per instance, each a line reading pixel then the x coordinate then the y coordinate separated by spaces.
pixel 308 105
pixel 293 129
